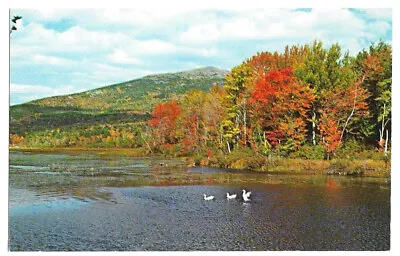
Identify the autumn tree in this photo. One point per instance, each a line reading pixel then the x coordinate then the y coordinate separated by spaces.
pixel 163 122
pixel 312 72
pixel 341 111
pixel 237 92
pixel 281 104
pixel 263 62
pixel 376 66
pixel 192 121
pixel 340 97
pixel 213 115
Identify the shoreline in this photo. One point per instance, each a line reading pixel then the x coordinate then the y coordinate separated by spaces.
pixel 298 166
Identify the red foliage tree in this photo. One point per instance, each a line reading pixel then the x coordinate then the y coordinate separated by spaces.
pixel 281 105
pixel 163 121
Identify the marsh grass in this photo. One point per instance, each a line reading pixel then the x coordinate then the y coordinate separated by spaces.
pixel 354 167
pixel 245 160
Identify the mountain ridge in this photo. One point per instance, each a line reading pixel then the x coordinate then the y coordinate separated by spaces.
pixel 208 70
pixel 129 101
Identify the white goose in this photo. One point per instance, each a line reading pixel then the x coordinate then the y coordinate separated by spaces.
pixel 246 195
pixel 230 196
pixel 208 198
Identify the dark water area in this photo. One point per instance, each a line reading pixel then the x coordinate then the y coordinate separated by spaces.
pixel 103 203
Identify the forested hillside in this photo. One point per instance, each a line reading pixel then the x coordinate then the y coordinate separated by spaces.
pixel 85 119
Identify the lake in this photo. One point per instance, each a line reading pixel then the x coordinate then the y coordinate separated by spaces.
pixel 91 202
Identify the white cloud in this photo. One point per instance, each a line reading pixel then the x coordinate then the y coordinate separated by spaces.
pixel 201 33
pixel 146 16
pixel 24 92
pixel 106 74
pixel 153 47
pixel 77 39
pixel 20 93
pixel 239 26
pixel 39 58
pixel 39 39
pixel 265 24
pixel 377 28
pixel 26 88
pixel 379 13
pixel 49 14
pixel 120 56
pixel 200 51
pixel 84 39
pixel 130 16
pixel 260 24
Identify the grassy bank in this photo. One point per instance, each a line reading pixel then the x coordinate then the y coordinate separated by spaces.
pixel 367 167
pixel 76 151
pixel 354 167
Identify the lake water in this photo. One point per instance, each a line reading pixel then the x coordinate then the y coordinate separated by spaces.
pixel 110 203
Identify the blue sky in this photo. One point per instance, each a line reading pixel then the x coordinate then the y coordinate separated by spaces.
pixel 63 51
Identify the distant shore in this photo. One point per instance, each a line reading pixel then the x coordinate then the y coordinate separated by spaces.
pixel 344 167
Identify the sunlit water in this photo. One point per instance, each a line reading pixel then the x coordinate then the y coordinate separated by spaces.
pixel 92 203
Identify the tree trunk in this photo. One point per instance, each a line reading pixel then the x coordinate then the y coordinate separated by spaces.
pixel 229 147
pixel 382 130
pixel 265 140
pixel 313 127
pixel 386 142
pixel 197 134
pixel 141 135
pixel 352 111
pixel 237 127
pixel 244 123
pixel 351 114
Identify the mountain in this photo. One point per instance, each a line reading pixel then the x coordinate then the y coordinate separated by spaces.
pixel 126 102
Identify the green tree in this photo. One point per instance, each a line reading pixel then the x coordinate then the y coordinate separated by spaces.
pixel 192 121
pixel 376 66
pixel 237 91
pixel 313 73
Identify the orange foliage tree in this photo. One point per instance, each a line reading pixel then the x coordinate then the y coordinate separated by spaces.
pixel 340 108
pixel 281 105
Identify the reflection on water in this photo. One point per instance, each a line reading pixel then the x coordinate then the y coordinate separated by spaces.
pixel 28 168
pixel 128 204
pixel 45 206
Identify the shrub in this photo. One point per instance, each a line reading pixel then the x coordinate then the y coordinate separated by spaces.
pixel 349 149
pixel 255 162
pixel 308 151
pixel 197 160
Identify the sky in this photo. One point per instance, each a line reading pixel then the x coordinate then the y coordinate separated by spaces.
pixel 63 51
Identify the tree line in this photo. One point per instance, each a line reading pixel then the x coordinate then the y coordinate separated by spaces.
pixel 280 103
pixel 306 102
